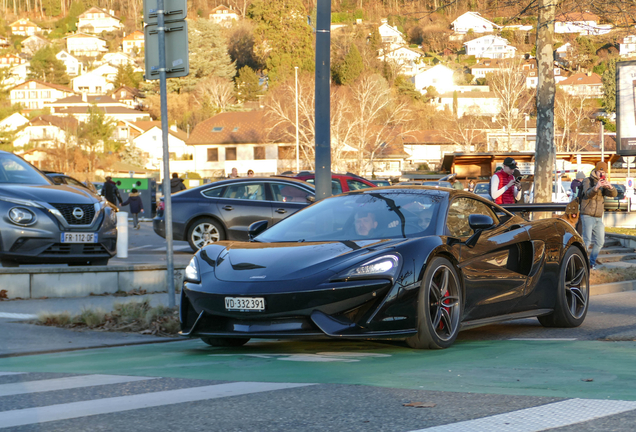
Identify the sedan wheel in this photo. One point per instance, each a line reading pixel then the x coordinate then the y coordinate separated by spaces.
pixel 439 307
pixel 573 294
pixel 204 232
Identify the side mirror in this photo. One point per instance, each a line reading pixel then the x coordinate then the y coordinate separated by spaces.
pixel 256 228
pixel 311 199
pixel 480 222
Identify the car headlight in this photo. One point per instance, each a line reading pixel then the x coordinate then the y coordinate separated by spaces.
pixel 192 271
pixel 22 202
pixel 384 266
pixel 21 216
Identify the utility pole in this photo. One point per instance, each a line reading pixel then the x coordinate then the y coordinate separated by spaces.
pixel 164 40
pixel 297 140
pixel 322 108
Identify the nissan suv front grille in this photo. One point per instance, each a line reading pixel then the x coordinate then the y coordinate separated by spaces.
pixel 77 214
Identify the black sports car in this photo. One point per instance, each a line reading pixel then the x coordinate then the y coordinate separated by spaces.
pixel 411 262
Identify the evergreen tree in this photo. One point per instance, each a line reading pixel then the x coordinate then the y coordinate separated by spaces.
pixel 609 85
pixel 46 67
pixel 375 40
pixel 247 85
pixel 282 37
pixel 350 69
pixel 127 76
pixel 208 56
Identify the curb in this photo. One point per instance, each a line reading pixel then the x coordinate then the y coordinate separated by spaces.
pixel 612 287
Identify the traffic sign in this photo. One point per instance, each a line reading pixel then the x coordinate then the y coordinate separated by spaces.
pixel 174 10
pixel 177 61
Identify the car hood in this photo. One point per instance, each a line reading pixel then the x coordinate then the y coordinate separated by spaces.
pixel 242 262
pixel 61 194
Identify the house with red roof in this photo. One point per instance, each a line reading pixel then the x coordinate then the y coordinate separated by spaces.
pixel 33 94
pixel 587 85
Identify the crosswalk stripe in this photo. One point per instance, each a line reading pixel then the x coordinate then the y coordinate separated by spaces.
pixel 17 315
pixel 66 383
pixel 11 373
pixel 550 416
pixel 72 410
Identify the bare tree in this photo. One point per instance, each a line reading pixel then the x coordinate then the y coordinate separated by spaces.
pixel 509 85
pixel 215 92
pixel 466 133
pixel 571 117
pixel 376 111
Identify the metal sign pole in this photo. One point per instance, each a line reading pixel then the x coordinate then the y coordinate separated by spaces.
pixel 322 108
pixel 167 199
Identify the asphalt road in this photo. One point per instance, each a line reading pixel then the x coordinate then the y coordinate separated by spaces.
pixel 515 376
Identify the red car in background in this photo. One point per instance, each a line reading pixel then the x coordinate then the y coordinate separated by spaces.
pixel 339 182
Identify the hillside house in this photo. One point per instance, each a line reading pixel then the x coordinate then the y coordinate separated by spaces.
pixel 486 66
pixel 119 59
pixel 33 94
pixel 133 44
pixel 223 15
pixel 24 27
pixel 490 46
pixel 149 138
pixel 96 20
pixel 475 22
pixel 628 46
pixel 85 45
pixel 404 58
pixel 9 60
pixel 17 75
pixel 33 43
pixel 239 140
pixel 529 67
pixel 438 76
pixel 4 42
pixel 584 23
pixel 96 82
pixel 391 36
pixel 563 51
pixel 73 66
pixel 129 96
pixel 471 103
pixel 426 146
pixel 13 122
pixel 588 85
pixel 47 131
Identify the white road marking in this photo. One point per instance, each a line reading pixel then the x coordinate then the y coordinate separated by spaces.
pixel 17 315
pixel 544 339
pixel 72 410
pixel 138 247
pixel 554 415
pixel 65 383
pixel 177 248
pixel 11 373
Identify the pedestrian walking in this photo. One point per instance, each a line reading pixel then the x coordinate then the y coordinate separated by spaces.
pixel 110 191
pixel 594 190
pixel 456 184
pixel 136 206
pixel 504 187
pixel 176 184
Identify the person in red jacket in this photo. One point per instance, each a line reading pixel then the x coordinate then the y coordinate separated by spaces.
pixel 504 188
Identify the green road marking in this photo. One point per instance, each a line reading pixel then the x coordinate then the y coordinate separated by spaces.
pixel 531 368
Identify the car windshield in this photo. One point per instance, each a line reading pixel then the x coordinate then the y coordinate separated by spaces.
pixel 15 170
pixel 482 188
pixel 361 216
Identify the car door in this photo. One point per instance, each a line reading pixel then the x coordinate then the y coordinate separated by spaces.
pixel 240 205
pixel 494 269
pixel 287 199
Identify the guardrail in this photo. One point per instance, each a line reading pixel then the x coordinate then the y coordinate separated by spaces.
pixel 46 282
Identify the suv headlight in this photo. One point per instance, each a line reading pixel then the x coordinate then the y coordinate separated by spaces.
pixel 191 273
pixel 22 202
pixel 386 266
pixel 21 216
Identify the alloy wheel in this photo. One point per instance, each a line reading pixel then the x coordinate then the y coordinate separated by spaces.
pixel 444 303
pixel 576 289
pixel 205 234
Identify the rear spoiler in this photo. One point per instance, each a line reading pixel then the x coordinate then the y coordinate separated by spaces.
pixel 535 207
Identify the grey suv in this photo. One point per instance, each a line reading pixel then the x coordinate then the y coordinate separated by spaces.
pixel 43 223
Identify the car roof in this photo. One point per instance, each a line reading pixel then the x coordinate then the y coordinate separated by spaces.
pixel 252 179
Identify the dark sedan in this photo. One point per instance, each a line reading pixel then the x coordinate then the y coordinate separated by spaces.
pixel 59 178
pixel 45 223
pixel 225 209
pixel 411 262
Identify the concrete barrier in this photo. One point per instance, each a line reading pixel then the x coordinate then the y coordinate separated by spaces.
pixel 32 283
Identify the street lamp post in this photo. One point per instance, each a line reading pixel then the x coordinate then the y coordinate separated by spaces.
pixel 297 141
